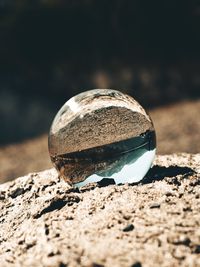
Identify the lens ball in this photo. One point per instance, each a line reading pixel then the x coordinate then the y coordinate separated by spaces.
pixel 99 134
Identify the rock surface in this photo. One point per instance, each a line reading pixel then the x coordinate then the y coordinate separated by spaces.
pixel 45 222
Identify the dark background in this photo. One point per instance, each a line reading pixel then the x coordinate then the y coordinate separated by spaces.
pixel 51 50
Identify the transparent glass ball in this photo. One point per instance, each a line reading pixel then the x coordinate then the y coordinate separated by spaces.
pixel 99 134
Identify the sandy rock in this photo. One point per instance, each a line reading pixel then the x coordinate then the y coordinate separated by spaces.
pixel 46 222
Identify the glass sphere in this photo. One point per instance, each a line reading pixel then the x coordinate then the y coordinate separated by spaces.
pixel 102 133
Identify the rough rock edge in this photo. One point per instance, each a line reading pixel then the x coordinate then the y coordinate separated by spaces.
pixel 45 222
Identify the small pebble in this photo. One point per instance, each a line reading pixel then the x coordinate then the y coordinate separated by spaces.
pixel 136 264
pixel 128 228
pixel 196 249
pixel 17 192
pixel 2 195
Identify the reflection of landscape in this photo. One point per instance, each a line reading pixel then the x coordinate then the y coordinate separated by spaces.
pixel 129 167
pixel 51 50
pixel 112 160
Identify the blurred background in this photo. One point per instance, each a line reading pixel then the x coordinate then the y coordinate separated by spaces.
pixel 51 50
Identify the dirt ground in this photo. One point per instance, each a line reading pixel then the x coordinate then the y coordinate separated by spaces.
pixel 47 223
pixel 177 127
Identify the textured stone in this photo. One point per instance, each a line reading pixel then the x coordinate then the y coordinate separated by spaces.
pixel 46 222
